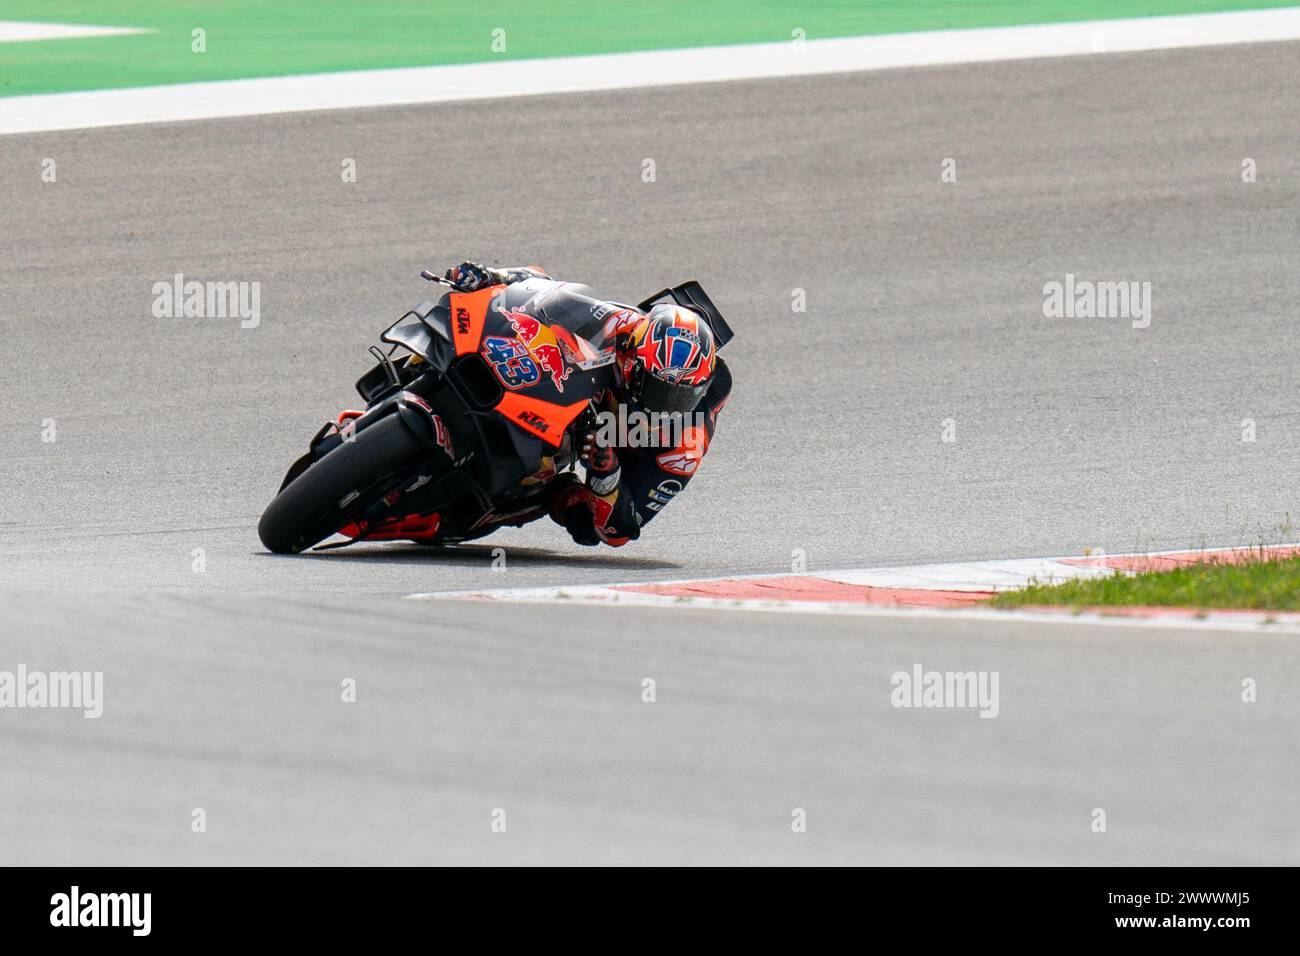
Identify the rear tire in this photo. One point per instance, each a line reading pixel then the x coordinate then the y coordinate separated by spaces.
pixel 316 504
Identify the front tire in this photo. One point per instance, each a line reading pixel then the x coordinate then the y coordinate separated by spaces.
pixel 320 501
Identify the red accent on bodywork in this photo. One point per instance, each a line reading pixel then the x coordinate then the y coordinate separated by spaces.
pixel 408 528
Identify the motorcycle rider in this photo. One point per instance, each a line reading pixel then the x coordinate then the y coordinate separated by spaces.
pixel 666 368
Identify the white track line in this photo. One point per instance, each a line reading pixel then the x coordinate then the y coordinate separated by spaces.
pixel 23 31
pixel 616 71
pixel 969 576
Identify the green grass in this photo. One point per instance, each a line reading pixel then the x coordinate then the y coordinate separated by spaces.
pixel 247 38
pixel 1254 585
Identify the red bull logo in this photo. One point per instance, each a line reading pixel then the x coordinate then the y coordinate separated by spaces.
pixel 547 355
pixel 552 362
pixel 525 325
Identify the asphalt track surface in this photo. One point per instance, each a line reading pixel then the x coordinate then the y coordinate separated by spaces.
pixel 923 303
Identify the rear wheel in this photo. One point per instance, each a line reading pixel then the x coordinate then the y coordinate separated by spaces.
pixel 321 500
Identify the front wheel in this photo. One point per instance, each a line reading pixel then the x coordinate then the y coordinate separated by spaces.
pixel 320 501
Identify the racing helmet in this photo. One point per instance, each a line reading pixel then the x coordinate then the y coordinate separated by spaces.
pixel 665 362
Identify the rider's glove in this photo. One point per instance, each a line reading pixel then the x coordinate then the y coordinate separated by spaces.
pixel 581 527
pixel 470 277
pixel 568 506
pixel 602 464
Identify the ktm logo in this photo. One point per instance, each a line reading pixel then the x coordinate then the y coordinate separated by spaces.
pixel 462 321
pixel 533 420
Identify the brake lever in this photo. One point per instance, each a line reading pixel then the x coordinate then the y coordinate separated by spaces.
pixel 426 274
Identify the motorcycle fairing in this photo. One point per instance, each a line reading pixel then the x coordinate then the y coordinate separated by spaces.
pixel 468 316
pixel 543 388
pixel 544 419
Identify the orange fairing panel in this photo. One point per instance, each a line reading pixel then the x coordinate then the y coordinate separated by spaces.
pixel 468 312
pixel 546 420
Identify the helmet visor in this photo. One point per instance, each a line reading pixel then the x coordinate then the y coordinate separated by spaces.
pixel 656 395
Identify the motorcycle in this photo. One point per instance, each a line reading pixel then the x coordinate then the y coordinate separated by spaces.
pixel 472 413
